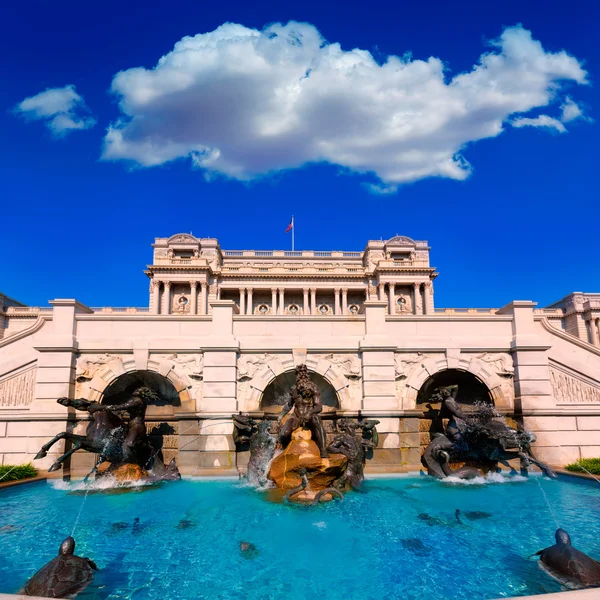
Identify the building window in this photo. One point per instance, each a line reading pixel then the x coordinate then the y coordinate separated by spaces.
pixel 353 309
pixel 324 309
pixel 294 309
pixel 263 309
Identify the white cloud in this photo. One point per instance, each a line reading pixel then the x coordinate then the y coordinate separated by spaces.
pixel 541 121
pixel 244 103
pixel 571 111
pixel 60 108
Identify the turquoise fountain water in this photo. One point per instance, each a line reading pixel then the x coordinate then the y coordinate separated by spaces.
pixel 400 539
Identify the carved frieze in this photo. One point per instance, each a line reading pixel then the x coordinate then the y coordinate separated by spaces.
pixel 249 364
pixel 190 364
pixel 88 364
pixel 405 364
pixel 349 364
pixel 501 362
pixel 17 390
pixel 570 390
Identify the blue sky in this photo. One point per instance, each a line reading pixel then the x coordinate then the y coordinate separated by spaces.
pixel 521 222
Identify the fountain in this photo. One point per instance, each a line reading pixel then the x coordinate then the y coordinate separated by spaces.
pixel 123 448
pixel 480 439
pixel 307 468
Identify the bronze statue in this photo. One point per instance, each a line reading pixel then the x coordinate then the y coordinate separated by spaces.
pixel 351 444
pixel 305 400
pixel 243 428
pixel 136 446
pixel 114 440
pixel 333 492
pixel 64 576
pixel 569 566
pixel 104 435
pixel 479 437
pixel 262 450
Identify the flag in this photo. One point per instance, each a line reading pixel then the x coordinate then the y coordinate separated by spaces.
pixel 290 226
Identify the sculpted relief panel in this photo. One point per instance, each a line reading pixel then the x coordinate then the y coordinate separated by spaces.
pixel 17 390
pixel 405 364
pixel 501 362
pixel 569 390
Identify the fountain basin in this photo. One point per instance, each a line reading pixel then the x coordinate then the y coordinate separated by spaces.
pixel 400 539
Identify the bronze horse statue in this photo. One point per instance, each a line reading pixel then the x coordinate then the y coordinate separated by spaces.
pixel 104 434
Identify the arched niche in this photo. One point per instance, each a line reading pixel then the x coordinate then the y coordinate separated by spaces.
pixel 121 388
pixel 471 390
pixel 276 392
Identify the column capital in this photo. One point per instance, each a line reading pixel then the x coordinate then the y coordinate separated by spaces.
pixel 203 284
pixel 427 284
pixel 167 284
pixel 249 289
pixel 156 282
pixel 336 290
pixel 193 284
pixel 274 290
pixel 416 285
pixel 313 290
pixel 345 290
pixel 306 290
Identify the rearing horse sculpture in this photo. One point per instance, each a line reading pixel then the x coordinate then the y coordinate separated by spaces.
pixel 104 434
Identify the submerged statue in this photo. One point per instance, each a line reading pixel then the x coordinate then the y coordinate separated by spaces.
pixel 64 576
pixel 332 491
pixel 569 566
pixel 305 400
pixel 478 437
pixel 123 444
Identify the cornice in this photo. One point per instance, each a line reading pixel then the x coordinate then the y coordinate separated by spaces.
pixel 567 336
pixel 19 335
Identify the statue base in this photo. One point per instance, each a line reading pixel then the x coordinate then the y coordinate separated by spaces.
pixel 303 453
pixel 122 473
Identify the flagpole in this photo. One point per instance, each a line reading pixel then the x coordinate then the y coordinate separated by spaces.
pixel 293 228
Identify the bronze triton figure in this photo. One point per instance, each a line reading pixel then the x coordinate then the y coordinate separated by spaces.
pixel 305 399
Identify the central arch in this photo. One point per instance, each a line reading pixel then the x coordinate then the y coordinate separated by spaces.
pixel 120 390
pixel 275 394
pixel 471 390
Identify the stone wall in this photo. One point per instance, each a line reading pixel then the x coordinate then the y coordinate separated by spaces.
pixel 214 365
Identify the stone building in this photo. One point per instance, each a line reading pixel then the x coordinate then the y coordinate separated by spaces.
pixel 224 330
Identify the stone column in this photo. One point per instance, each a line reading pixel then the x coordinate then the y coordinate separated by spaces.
pixel 305 306
pixel 382 291
pixel 203 286
pixel 418 309
pixel 249 301
pixel 166 306
pixel 336 293
pixel 392 298
pixel 281 301
pixel 242 301
pixel 273 301
pixel 313 301
pixel 155 297
pixel 193 297
pixel 427 307
pixel 344 301
pixel 594 332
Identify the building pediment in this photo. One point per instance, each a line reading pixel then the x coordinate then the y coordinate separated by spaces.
pixel 183 238
pixel 401 240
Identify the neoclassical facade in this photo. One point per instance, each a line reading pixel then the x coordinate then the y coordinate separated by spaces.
pixel 224 330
